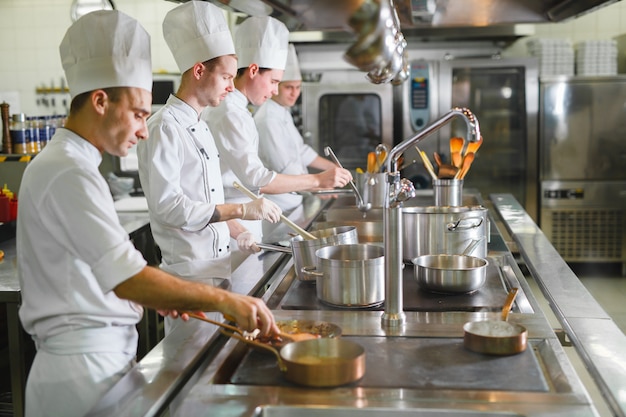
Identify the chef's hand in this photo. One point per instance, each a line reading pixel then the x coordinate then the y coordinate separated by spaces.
pixel 250 313
pixel 334 178
pixel 261 209
pixel 246 242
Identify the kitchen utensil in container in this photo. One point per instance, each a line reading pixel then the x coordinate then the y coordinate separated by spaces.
pixel 444 170
pixel 351 276
pixel 450 273
pixel 361 204
pixel 427 164
pixel 496 337
pixel 321 362
pixel 373 188
pixel 444 230
pixel 304 250
pixel 456 149
pixel 284 219
pixel 448 192
pixel 467 162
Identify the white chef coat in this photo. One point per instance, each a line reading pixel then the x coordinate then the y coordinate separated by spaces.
pixel 281 148
pixel 72 252
pixel 180 175
pixel 237 139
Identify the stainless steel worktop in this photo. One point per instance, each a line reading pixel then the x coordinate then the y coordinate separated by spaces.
pixel 418 368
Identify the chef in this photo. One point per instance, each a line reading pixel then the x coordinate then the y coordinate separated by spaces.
pixel 261 44
pixel 82 281
pixel 281 147
pixel 179 166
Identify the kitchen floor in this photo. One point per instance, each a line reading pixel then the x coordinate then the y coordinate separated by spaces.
pixel 607 285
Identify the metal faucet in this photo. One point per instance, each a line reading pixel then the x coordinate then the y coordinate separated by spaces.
pixel 392 214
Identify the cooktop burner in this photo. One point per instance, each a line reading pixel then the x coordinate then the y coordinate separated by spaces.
pixel 418 363
pixel 303 296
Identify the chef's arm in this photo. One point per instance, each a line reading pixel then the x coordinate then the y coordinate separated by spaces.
pixel 322 163
pixel 258 209
pixel 154 288
pixel 330 178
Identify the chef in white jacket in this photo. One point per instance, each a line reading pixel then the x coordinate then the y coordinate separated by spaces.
pixel 179 166
pixel 261 44
pixel 82 281
pixel 281 147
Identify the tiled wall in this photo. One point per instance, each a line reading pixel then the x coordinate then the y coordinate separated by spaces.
pixel 604 23
pixel 30 34
pixel 31 30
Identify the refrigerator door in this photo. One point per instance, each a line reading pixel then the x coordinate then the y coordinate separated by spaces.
pixel 583 124
pixel 503 94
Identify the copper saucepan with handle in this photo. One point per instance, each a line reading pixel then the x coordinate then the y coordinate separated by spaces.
pixel 496 337
pixel 324 362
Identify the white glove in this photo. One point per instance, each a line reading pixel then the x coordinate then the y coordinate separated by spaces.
pixel 261 209
pixel 246 242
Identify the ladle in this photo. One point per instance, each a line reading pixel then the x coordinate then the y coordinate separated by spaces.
pixel 306 235
pixel 249 336
pixel 363 206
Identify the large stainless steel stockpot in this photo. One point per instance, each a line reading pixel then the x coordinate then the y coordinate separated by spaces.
pixel 444 230
pixel 304 250
pixel 350 276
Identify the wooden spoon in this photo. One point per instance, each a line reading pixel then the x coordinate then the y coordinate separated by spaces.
pixel 467 161
pixel 456 147
pixel 305 235
pixel 473 146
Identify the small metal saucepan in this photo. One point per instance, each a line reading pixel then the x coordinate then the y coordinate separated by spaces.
pixel 317 362
pixel 496 337
pixel 451 273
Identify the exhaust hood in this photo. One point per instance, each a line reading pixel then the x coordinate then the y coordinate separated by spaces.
pixel 379 29
pixel 333 15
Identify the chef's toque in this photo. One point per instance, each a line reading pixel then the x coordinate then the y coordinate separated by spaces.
pixel 262 40
pixel 197 31
pixel 292 69
pixel 103 49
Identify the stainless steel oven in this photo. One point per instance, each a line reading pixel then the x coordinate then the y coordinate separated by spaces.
pixel 347 113
pixel 503 94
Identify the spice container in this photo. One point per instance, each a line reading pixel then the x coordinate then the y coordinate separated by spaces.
pixel 19 134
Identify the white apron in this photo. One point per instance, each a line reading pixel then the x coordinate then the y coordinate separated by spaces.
pixel 88 362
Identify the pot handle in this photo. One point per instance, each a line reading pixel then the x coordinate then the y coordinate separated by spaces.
pixel 311 272
pixel 465 224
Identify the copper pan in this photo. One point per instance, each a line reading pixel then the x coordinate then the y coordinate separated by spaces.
pixel 496 337
pixel 317 362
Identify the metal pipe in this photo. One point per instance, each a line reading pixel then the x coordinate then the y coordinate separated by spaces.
pixel 392 215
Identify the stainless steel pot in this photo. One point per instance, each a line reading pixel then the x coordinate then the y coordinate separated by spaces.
pixel 304 250
pixel 444 230
pixel 350 276
pixel 450 273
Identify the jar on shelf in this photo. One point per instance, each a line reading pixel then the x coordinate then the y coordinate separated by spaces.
pixel 19 134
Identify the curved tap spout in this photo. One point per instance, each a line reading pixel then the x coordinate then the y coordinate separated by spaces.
pixel 394 316
pixel 473 134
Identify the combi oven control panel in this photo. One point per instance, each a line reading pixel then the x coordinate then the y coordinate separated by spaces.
pixel 419 94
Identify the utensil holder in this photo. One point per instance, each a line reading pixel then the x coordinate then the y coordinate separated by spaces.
pixel 448 192
pixel 373 187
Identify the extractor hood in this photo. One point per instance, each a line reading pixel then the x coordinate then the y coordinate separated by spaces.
pixel 379 29
pixel 333 15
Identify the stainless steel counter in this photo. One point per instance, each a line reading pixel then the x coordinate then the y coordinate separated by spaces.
pixel 597 339
pixel 417 368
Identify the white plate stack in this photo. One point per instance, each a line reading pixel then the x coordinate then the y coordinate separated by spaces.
pixel 597 57
pixel 556 56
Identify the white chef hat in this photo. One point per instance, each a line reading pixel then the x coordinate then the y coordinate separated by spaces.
pixel 292 69
pixel 196 31
pixel 262 40
pixel 103 49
